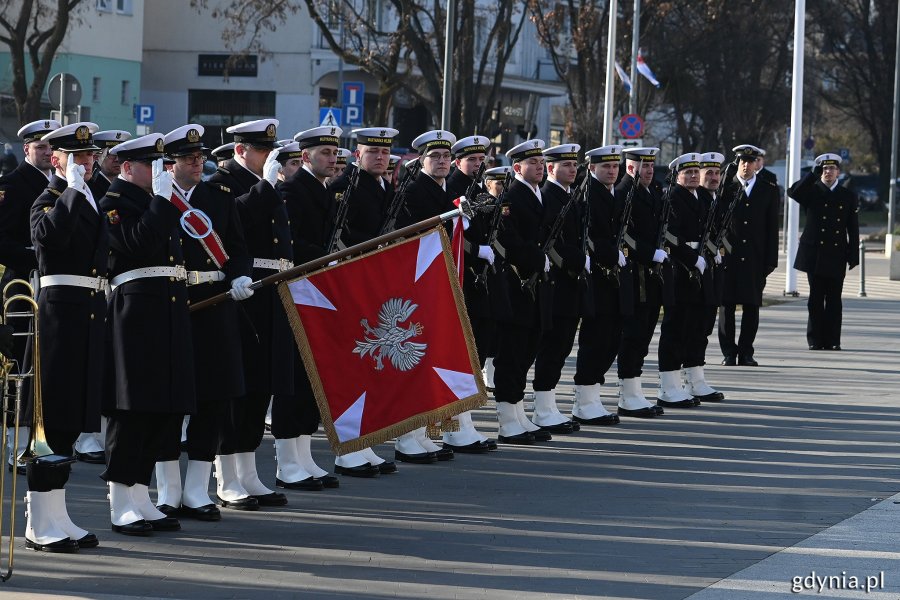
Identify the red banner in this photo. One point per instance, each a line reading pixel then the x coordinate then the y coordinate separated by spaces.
pixel 386 341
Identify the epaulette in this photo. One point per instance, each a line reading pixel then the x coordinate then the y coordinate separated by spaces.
pixel 113 194
pixel 54 191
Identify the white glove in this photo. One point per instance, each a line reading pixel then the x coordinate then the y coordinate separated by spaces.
pixel 622 261
pixel 240 288
pixel 718 259
pixel 587 263
pixel 75 174
pixel 486 253
pixel 660 256
pixel 701 264
pixel 272 167
pixel 546 264
pixel 162 180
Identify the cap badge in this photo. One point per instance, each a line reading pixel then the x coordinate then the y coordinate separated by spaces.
pixel 536 144
pixel 159 145
pixel 46 124
pixel 82 133
pixel 439 135
pixel 193 136
pixel 118 135
pixel 383 132
pixel 270 130
pixel 332 131
pixel 476 140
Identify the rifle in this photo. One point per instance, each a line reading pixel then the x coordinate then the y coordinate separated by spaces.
pixel 334 241
pixel 551 239
pixel 399 199
pixel 721 244
pixel 662 231
pixel 623 240
pixel 496 219
pixel 585 285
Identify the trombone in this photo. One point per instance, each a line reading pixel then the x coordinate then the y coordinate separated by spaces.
pixel 13 373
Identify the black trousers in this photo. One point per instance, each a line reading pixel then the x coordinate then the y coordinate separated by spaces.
pixel 749 327
pixel 696 355
pixel 43 478
pixel 135 441
pixel 244 424
pixel 682 336
pixel 484 329
pixel 516 350
pixel 598 344
pixel 823 327
pixel 295 414
pixel 637 331
pixel 554 346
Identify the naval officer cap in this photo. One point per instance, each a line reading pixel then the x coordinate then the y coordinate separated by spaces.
pixel 255 133
pixel 711 160
pixel 393 159
pixel 562 152
pixel 319 136
pixel 525 150
pixel 289 151
pixel 376 136
pixel 146 148
pixel 35 130
pixel 829 158
pixel 612 153
pixel 691 160
pixel 645 154
pixel 224 152
pixel 185 140
pixel 747 152
pixel 497 173
pixel 77 137
pixel 111 137
pixel 474 144
pixel 342 156
pixel 434 140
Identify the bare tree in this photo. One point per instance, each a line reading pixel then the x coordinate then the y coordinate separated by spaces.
pixel 33 33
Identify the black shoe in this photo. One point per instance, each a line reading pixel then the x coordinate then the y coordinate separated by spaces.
pixel 65 545
pixel 365 470
pixel 387 467
pixel 88 541
pixel 746 360
pixel 207 512
pixel 606 420
pixel 541 435
pixel 491 444
pixel 422 458
pixel 94 458
pixel 713 397
pixel 524 438
pixel 165 524
pixel 640 413
pixel 445 453
pixel 835 347
pixel 816 347
pixel 142 528
pixel 271 499
pixel 248 503
pixel 169 511
pixel 658 410
pixel 561 428
pixel 329 481
pixel 688 403
pixel 730 360
pixel 310 484
pixel 478 447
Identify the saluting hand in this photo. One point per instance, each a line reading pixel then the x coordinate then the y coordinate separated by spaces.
pixel 272 167
pixel 162 179
pixel 74 174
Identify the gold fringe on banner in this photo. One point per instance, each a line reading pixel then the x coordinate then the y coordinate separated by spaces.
pixel 427 419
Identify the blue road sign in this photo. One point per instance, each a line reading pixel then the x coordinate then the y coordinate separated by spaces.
pixel 353 115
pixel 354 93
pixel 144 114
pixel 330 116
pixel 631 126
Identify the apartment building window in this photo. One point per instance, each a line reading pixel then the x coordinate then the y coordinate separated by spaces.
pixel 124 7
pixel 104 5
pixel 126 92
pixel 95 90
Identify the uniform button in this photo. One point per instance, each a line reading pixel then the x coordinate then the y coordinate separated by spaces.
pixel 93 271
pixel 171 259
pixel 170 238
pixel 92 316
pixel 292 242
pixel 742 259
pixel 208 261
pixel 823 229
pixel 840 206
pixel 835 243
pixel 837 230
pixel 273 221
pixel 173 298
pixel 743 241
pixel 747 205
pixel 93 293
pixel 188 302
pixel 171 279
pixel 824 217
pixel 275 240
pixel 745 222
pixel 823 243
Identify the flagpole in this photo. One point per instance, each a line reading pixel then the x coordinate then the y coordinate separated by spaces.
pixel 448 65
pixel 635 41
pixel 793 227
pixel 340 254
pixel 895 140
pixel 610 68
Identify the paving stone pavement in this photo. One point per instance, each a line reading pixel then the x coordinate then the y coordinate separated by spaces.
pixel 796 471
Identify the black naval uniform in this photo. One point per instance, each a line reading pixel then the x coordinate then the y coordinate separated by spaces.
pixel 682 341
pixel 218 371
pixel 828 244
pixel 712 278
pixel 259 218
pixel 150 371
pixel 523 216
pixel 556 343
pixel 367 209
pixel 70 238
pixel 754 241
pixel 99 184
pixel 311 211
pixel 18 191
pixel 600 334
pixel 423 198
pixel 640 318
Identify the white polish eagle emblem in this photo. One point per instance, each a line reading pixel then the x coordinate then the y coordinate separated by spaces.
pixel 390 340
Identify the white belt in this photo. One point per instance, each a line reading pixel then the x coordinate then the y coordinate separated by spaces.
pixel 197 277
pixel 275 264
pixel 693 245
pixel 92 283
pixel 178 273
